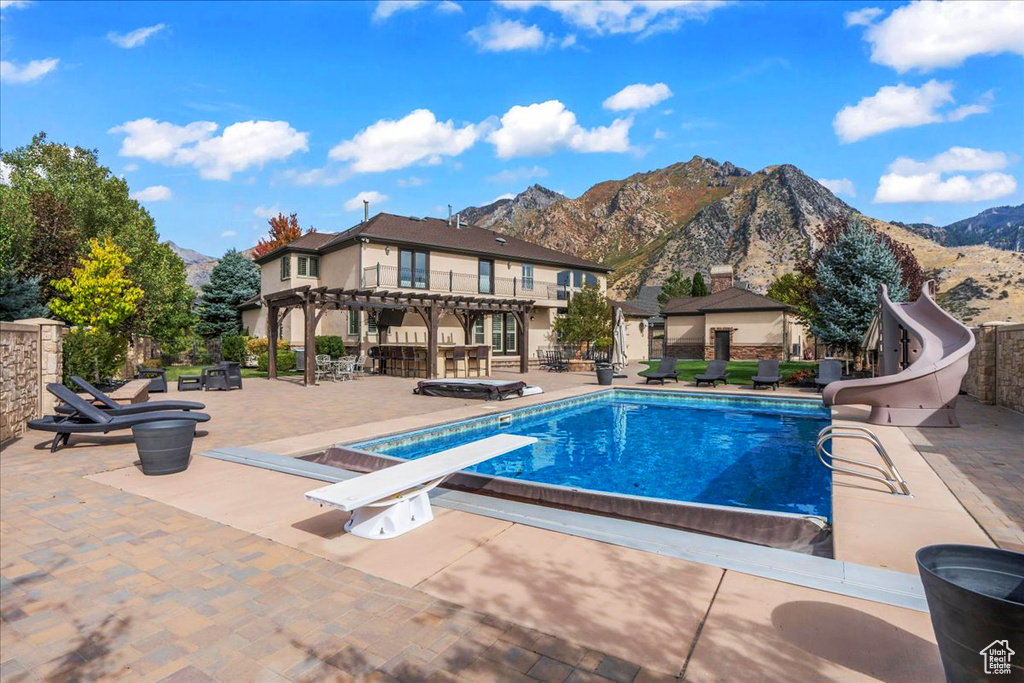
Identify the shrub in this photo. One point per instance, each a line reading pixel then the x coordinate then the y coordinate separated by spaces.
pixel 258 345
pixel 801 378
pixel 94 354
pixel 233 347
pixel 285 361
pixel 332 345
pixel 153 363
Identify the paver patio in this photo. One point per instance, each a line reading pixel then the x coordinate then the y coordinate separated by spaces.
pixel 101 582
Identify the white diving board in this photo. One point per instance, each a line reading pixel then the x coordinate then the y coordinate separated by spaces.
pixel 389 502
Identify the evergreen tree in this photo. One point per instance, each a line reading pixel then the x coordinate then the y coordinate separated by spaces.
pixel 848 274
pixel 19 299
pixel 676 286
pixel 588 318
pixel 700 288
pixel 232 281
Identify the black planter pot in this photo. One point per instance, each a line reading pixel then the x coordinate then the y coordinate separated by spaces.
pixel 605 375
pixel 976 599
pixel 164 447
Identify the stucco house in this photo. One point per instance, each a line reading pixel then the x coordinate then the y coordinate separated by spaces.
pixel 426 256
pixel 731 323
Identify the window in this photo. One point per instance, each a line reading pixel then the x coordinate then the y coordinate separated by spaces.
pixel 562 280
pixel 497 331
pixel 486 270
pixel 286 267
pixel 510 333
pixel 314 266
pixel 412 269
pixel 478 331
pixel 504 333
pixel 528 277
pixel 371 323
pixel 353 323
pixel 308 266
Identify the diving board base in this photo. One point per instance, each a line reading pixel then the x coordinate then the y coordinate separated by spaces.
pixel 381 522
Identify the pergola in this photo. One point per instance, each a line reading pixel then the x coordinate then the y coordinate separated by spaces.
pixel 315 301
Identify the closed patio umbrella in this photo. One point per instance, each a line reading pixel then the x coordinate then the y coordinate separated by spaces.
pixel 619 341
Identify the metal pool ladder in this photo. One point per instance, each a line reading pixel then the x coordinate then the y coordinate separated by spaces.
pixel 890 476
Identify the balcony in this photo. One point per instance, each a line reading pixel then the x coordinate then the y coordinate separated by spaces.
pixel 388 277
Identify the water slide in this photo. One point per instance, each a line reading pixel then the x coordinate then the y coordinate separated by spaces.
pixel 922 360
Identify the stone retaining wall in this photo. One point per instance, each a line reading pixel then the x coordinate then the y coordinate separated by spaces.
pixel 996 372
pixel 30 358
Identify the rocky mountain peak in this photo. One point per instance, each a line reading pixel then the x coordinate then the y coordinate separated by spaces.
pixel 501 213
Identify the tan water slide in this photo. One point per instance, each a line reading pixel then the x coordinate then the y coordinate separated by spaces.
pixel 922 360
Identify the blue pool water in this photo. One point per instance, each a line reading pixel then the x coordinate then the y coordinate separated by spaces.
pixel 751 453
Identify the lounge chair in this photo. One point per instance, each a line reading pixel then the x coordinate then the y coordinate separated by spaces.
pixel 828 371
pixel 112 407
pixel 226 375
pixel 714 374
pixel 88 419
pixel 666 370
pixel 389 502
pixel 157 377
pixel 767 374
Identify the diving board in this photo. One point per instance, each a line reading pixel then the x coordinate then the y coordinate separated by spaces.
pixel 392 501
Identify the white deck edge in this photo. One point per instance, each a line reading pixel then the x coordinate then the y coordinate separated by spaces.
pixel 833 576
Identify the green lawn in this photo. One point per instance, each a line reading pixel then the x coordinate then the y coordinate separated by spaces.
pixel 740 371
pixel 175 371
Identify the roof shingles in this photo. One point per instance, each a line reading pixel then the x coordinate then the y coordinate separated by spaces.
pixel 729 299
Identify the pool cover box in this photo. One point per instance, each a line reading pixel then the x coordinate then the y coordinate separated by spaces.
pixel 490 390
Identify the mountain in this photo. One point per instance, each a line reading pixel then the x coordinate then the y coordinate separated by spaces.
pixel 1001 227
pixel 197 266
pixel 695 214
pixel 504 213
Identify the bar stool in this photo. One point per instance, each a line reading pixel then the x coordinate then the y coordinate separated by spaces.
pixel 409 361
pixel 458 354
pixel 483 356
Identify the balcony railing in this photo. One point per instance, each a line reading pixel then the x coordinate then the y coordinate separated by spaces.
pixel 463 283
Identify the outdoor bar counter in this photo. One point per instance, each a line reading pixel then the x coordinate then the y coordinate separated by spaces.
pixel 410 360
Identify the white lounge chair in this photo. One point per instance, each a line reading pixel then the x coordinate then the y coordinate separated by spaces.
pixel 392 501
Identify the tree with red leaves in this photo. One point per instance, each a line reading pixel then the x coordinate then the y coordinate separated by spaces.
pixel 283 229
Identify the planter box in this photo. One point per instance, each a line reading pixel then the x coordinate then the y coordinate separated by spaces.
pixel 164 447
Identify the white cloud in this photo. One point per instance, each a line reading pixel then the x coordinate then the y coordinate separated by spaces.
pixel 568 41
pixel 153 193
pixel 240 145
pixel 386 8
pixel 548 126
pixel 449 7
pixel 267 212
pixel 5 173
pixel 417 138
pixel 129 168
pixel 228 233
pixel 14 4
pixel 953 159
pixel 930 35
pixel 903 106
pixel 134 38
pixel 507 35
pixel 411 181
pixel 321 177
pixel 638 96
pixel 507 195
pixel 372 196
pixel 617 16
pixel 930 187
pixel 34 70
pixel 518 175
pixel 863 17
pixel 839 186
pixel 659 134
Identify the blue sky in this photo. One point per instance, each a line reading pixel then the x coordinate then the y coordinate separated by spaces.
pixel 219 113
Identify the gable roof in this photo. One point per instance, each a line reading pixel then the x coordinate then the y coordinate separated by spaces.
pixel 628 308
pixel 434 232
pixel 728 299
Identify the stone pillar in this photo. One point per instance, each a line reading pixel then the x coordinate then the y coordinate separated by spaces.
pixel 721 278
pixel 51 365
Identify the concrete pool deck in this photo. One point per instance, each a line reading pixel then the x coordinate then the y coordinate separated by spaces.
pixel 624 608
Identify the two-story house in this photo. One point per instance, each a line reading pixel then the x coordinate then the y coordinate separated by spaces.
pixel 425 255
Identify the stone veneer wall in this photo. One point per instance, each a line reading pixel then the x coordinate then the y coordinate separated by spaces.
pixel 31 356
pixel 749 352
pixel 996 371
pixel 686 350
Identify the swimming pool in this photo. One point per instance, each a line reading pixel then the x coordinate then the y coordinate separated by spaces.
pixel 755 453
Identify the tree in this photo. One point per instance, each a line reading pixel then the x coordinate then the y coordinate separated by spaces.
pixel 53 186
pixel 700 288
pixel 283 229
pixel 100 299
pixel 588 318
pixel 795 289
pixel 54 241
pixel 19 299
pixel 848 274
pixel 675 286
pixel 232 281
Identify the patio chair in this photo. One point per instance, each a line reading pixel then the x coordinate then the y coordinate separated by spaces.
pixel 112 407
pixel 359 367
pixel 224 376
pixel 88 419
pixel 828 371
pixel 714 374
pixel 767 374
pixel 323 367
pixel 558 361
pixel 157 377
pixel 666 370
pixel 343 368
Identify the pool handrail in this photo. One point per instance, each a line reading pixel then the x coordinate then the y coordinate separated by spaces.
pixel 891 476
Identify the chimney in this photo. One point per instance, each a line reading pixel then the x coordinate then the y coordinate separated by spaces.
pixel 721 278
pixel 366 210
pixel 458 221
pixel 449 215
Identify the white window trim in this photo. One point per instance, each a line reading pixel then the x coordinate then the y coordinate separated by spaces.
pixel 286 267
